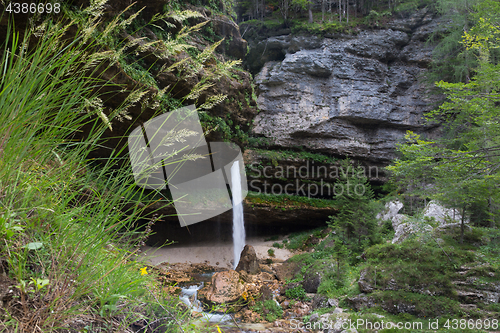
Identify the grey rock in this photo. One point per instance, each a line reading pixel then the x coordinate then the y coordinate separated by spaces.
pixel 311 282
pixel 314 317
pixel 404 230
pixel 390 211
pixel 298 43
pixel 417 52
pixel 441 214
pixel 337 102
pixel 407 24
pixel 320 301
pixel 364 285
pixel 381 45
pixel 248 261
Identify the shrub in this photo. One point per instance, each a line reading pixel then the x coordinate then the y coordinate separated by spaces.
pixel 270 310
pixel 296 292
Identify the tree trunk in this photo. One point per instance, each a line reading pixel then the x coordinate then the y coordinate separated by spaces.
pixel 340 11
pixel 462 226
pixel 347 10
pixel 309 9
pixel 490 213
pixel 323 9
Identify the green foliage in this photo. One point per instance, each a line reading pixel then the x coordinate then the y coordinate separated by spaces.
pixel 65 239
pixel 296 292
pixel 463 165
pixel 270 252
pixel 276 155
pixel 425 306
pixel 355 228
pixel 269 310
pixel 277 245
pixel 415 265
pixel 287 201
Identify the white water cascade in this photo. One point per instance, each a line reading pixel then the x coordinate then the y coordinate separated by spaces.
pixel 238 223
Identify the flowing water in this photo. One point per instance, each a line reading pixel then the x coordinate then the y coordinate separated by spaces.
pixel 238 223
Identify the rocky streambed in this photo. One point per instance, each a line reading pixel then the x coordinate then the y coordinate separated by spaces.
pixel 232 299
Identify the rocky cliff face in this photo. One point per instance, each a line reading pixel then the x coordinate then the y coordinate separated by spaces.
pixel 346 95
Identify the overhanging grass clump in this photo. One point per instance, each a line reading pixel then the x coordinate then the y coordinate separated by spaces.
pixel 285 201
pixel 69 262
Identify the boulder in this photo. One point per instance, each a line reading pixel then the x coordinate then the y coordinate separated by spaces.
pixel 248 261
pixel 391 210
pixel 364 285
pixel 441 214
pixel 320 301
pixel 311 282
pixel 404 230
pixel 287 270
pixel 225 287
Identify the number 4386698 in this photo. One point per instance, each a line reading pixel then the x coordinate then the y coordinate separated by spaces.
pixel 33 8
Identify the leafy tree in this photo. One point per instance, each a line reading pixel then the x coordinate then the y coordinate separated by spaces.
pixel 452 61
pixel 464 165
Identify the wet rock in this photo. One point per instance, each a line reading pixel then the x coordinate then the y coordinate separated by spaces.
pixel 245 277
pixel 266 268
pixel 248 316
pixel 225 287
pixel 248 261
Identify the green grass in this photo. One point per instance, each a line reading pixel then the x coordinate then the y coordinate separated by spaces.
pixel 67 249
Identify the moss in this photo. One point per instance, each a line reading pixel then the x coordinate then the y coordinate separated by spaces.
pixel 420 305
pixel 276 155
pixel 414 265
pixel 288 201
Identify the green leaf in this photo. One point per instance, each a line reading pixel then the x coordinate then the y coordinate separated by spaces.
pixel 34 245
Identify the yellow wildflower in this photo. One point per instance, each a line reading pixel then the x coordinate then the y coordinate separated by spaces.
pixel 144 271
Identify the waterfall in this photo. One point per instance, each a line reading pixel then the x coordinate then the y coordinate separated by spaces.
pixel 238 223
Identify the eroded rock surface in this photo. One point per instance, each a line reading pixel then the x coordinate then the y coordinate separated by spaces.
pixel 351 95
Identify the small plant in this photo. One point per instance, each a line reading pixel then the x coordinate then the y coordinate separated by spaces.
pixel 270 310
pixel 296 292
pixel 270 252
pixel 277 245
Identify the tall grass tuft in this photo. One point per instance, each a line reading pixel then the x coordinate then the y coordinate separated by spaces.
pixel 66 248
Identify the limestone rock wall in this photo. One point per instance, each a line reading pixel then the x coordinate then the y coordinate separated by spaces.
pixel 346 95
